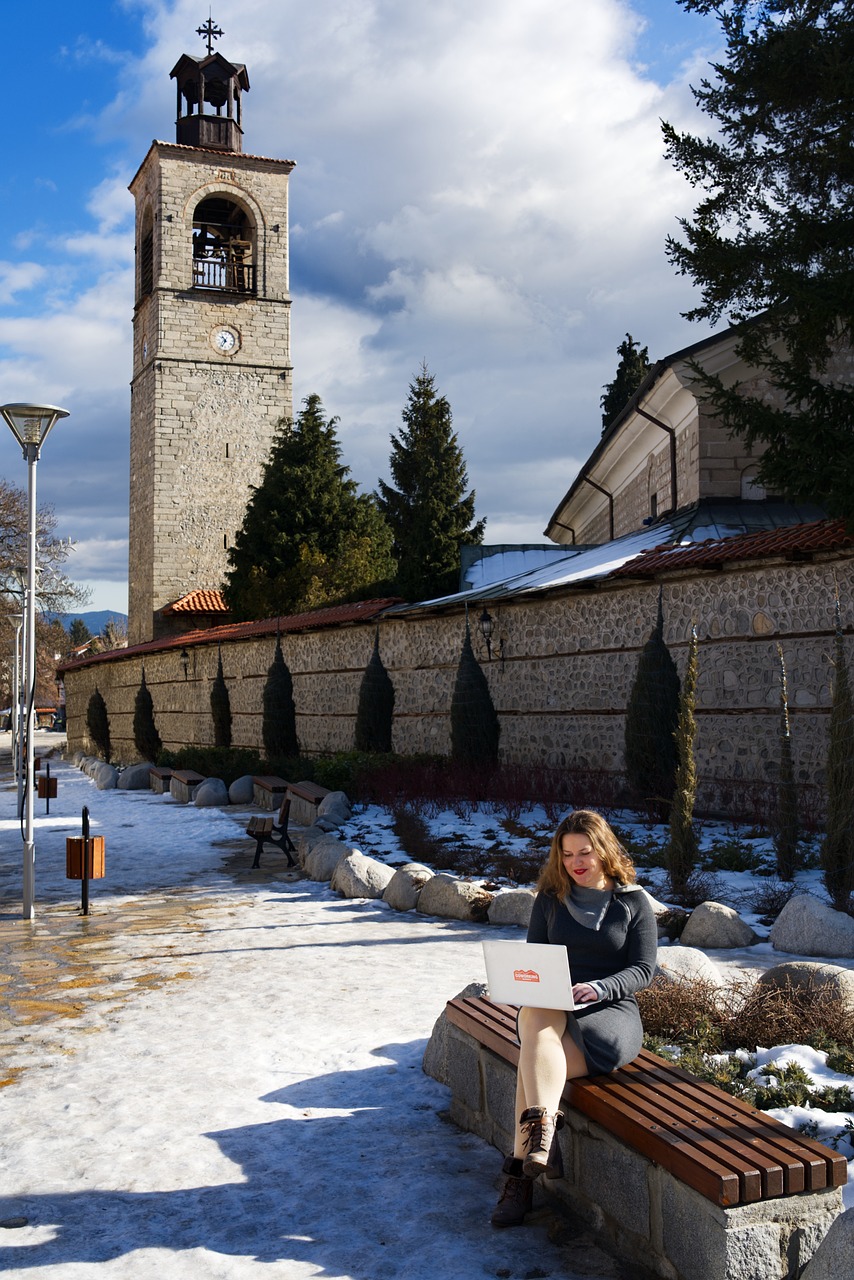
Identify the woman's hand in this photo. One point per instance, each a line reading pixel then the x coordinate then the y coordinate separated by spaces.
pixel 583 993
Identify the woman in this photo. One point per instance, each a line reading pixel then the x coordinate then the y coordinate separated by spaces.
pixel 588 902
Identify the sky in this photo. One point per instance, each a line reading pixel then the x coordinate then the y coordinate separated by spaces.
pixel 479 186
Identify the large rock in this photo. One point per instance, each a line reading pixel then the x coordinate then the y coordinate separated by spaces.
pixel 357 876
pixel 512 907
pixel 307 838
pixel 812 974
pixel 242 790
pixel 404 887
pixel 453 899
pixel 336 806
pixel 321 861
pixel 210 794
pixel 834 1257
pixel 105 777
pixel 686 964
pixel 711 925
pixel 136 777
pixel 807 927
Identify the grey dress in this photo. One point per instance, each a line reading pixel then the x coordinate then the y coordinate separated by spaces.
pixel 619 956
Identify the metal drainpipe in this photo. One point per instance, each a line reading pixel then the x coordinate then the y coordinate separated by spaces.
pixel 610 498
pixel 671 431
pixel 568 528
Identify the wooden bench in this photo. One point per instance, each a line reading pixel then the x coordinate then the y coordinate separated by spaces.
pixel 159 780
pixel 674 1142
pixel 268 792
pixel 307 797
pixel 184 784
pixel 269 830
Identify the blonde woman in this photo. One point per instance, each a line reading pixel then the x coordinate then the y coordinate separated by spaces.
pixel 588 902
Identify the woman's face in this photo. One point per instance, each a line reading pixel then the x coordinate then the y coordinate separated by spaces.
pixel 582 863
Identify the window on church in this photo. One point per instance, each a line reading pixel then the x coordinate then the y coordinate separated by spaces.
pixel 222 247
pixel 146 257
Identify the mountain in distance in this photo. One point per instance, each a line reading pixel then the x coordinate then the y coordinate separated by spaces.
pixel 95 619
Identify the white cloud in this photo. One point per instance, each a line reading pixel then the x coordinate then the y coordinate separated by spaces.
pixel 19 277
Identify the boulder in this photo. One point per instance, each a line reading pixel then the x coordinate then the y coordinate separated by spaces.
pixel 77 759
pixel 809 973
pixel 358 876
pixel 711 924
pixel 105 777
pixel 687 964
pixel 307 838
pixel 332 822
pixel 321 861
pixel 453 899
pixel 136 777
pixel 512 907
pixel 808 927
pixel 834 1257
pixel 210 794
pixel 335 805
pixel 405 885
pixel 242 790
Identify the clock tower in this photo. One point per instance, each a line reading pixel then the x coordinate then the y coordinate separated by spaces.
pixel 211 338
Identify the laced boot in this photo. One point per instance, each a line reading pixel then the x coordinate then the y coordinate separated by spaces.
pixel 542 1153
pixel 517 1196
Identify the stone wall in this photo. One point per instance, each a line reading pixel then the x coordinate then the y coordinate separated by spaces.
pixel 560 687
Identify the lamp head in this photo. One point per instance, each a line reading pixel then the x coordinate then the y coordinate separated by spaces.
pixel 31 424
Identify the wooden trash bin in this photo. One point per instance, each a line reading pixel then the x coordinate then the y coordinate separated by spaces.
pixel 74 858
pixel 47 787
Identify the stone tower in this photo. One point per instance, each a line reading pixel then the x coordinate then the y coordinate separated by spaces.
pixel 211 338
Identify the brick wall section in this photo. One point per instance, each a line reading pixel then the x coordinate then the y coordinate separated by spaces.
pixel 561 691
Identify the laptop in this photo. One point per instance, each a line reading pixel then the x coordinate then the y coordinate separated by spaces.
pixel 529 973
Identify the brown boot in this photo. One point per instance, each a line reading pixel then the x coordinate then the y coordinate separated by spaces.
pixel 516 1198
pixel 542 1153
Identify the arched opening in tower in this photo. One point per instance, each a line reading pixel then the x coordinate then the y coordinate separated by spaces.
pixel 223 252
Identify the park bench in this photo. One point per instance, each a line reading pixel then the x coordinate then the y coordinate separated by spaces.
pixel 669 1169
pixel 159 780
pixel 268 791
pixel 306 798
pixel 270 830
pixel 184 784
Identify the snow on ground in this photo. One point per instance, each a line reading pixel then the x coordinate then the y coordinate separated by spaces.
pixel 218 1074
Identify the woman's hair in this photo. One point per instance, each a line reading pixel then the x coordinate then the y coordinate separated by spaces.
pixel 616 862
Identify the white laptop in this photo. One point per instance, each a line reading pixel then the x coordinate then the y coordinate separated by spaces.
pixel 530 973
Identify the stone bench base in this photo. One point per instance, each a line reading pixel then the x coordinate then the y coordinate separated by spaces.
pixel 639 1210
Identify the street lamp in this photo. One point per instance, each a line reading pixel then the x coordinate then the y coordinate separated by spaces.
pixel 30 424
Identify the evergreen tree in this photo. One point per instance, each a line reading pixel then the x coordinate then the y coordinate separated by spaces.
pixel 770 244
pixel 145 735
pixel 475 727
pixel 633 367
pixel 651 721
pixel 221 708
pixel 375 712
pixel 837 851
pixel 786 826
pixel 279 723
pixel 429 512
pixel 78 633
pixel 98 724
pixel 683 848
pixel 308 537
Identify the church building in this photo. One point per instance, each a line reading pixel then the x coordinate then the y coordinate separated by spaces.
pixel 212 375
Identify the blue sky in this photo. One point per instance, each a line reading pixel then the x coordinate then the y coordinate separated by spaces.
pixel 479 184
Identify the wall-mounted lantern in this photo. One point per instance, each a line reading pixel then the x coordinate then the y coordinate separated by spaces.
pixel 185 662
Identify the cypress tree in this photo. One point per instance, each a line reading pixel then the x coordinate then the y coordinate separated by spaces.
pixel 145 735
pixel 279 723
pixel 837 851
pixel 376 705
pixel 475 728
pixel 786 827
pixel 683 848
pixel 633 367
pixel 98 724
pixel 221 708
pixel 651 719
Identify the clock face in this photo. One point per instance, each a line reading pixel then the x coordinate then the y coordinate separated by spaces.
pixel 225 341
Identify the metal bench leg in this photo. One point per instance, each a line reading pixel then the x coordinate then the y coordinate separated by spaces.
pixel 259 845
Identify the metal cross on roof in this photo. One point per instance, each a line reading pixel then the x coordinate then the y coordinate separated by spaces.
pixel 210 31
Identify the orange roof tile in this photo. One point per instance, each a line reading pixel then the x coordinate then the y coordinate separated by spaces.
pixel 791 542
pixel 198 602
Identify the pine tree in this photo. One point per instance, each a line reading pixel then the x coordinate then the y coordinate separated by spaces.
pixel 429 512
pixel 309 538
pixel 651 719
pixel 375 712
pixel 78 633
pixel 279 723
pixel 786 826
pixel 475 727
pixel 683 848
pixel 145 736
pixel 837 851
pixel 221 708
pixel 770 244
pixel 633 367
pixel 98 724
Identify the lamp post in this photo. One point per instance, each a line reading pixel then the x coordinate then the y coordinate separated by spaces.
pixel 18 619
pixel 30 424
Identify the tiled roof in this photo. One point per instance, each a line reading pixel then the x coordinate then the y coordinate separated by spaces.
pixel 792 542
pixel 198 602
pixel 335 616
